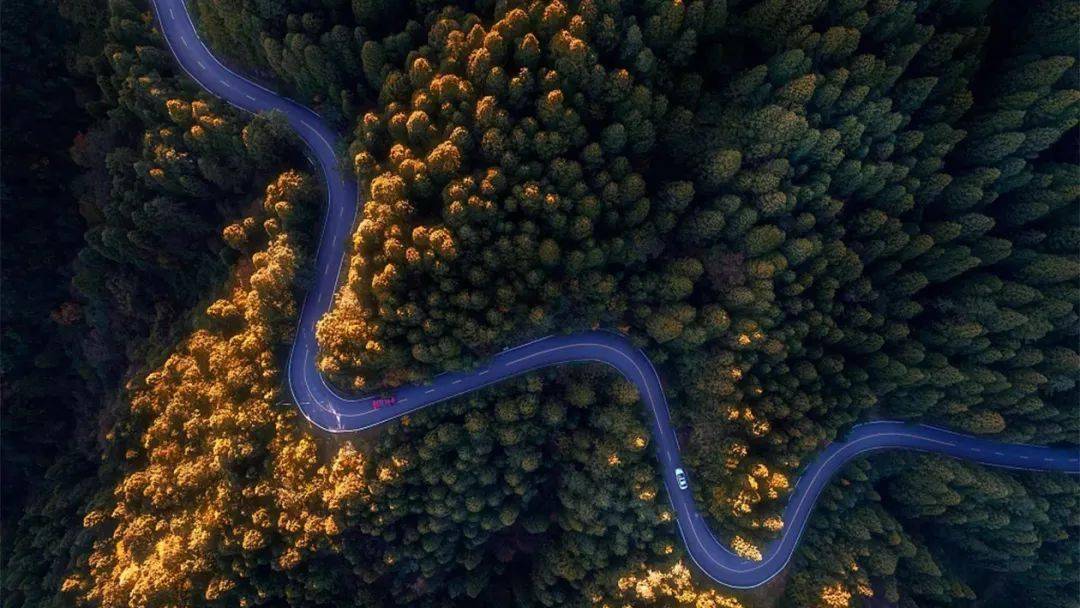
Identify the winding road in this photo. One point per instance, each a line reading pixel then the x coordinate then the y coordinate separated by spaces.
pixel 337 413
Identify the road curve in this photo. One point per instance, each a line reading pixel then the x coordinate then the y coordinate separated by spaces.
pixel 337 413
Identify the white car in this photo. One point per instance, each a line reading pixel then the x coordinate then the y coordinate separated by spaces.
pixel 680 476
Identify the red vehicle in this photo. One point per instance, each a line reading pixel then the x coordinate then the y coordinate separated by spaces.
pixel 383 402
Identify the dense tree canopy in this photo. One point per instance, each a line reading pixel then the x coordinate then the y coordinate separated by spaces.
pixel 808 213
pixel 838 220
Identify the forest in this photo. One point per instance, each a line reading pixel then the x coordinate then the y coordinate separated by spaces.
pixel 808 213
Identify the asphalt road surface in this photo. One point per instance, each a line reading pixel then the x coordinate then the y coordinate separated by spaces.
pixel 327 409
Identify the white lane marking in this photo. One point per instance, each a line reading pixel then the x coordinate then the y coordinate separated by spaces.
pixel 184 40
pixel 998 454
pixel 456 382
pixel 975 450
pixel 1023 458
pixel 429 391
pixel 172 15
pixel 249 97
pixel 1048 459
pixel 520 346
pixel 317 133
pixel 227 85
pixel 201 64
pixel 483 372
pixel 403 400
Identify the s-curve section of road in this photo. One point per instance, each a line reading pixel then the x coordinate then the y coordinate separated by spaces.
pixel 331 411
